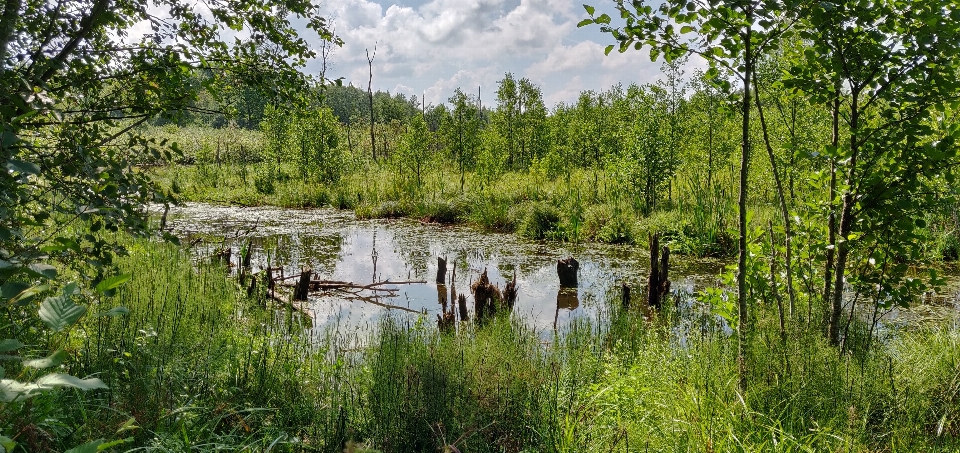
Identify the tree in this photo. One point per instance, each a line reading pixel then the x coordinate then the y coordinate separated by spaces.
pixel 729 35
pixel 888 69
pixel 75 86
pixel 462 132
pixel 414 151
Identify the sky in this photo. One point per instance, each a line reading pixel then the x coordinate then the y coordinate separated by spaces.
pixel 429 48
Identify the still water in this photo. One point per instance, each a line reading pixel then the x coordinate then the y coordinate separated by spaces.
pixel 339 247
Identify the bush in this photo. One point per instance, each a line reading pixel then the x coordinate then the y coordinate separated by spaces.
pixel 537 220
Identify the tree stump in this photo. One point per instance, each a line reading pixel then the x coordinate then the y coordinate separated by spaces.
pixel 441 270
pixel 247 255
pixel 462 303
pixel 510 292
pixel 253 287
pixel 486 297
pixel 658 283
pixel 567 271
pixel 626 295
pixel 303 285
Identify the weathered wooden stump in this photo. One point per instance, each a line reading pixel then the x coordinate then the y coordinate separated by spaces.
pixel 462 303
pixel 253 287
pixel 626 295
pixel 658 282
pixel 441 270
pixel 510 292
pixel 247 255
pixel 222 256
pixel 486 297
pixel 302 289
pixel 446 321
pixel 567 271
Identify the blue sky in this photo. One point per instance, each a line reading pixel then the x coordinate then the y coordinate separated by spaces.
pixel 436 46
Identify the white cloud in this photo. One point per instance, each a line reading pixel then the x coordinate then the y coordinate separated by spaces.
pixel 440 45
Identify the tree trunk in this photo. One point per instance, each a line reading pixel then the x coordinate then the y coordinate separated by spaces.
pixel 846 224
pixel 784 211
pixel 373 139
pixel 742 314
pixel 832 220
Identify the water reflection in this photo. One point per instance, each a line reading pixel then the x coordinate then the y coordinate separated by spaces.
pixel 339 247
pixel 567 299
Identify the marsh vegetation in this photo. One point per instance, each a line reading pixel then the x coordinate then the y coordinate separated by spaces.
pixel 804 184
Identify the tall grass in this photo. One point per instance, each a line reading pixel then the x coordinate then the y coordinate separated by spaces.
pixel 199 366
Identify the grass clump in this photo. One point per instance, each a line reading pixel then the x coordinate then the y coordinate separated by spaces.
pixel 537 220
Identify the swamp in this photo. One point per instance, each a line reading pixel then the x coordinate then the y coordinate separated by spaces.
pixel 210 243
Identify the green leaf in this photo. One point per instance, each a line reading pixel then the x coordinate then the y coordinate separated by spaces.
pixel 10 345
pixel 23 167
pixel 603 19
pixel 112 283
pixel 89 447
pixel 65 380
pixel 584 23
pixel 589 9
pixel 43 270
pixel 608 49
pixel 7 443
pixel 114 443
pixel 686 29
pixel 128 425
pixel 116 311
pixel 54 360
pixel 24 295
pixel 59 312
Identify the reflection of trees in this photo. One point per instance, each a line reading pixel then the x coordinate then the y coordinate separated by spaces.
pixel 321 252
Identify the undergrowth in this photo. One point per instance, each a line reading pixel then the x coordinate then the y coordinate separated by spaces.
pixel 199 366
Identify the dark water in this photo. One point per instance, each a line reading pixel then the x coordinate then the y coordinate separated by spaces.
pixel 338 247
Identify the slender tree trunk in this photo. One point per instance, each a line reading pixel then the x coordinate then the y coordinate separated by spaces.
pixel 846 224
pixel 784 211
pixel 742 314
pixel 831 222
pixel 373 140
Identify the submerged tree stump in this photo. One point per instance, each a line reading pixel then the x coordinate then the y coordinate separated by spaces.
pixel 510 292
pixel 658 283
pixel 441 270
pixel 247 255
pixel 222 256
pixel 446 321
pixel 567 271
pixel 303 285
pixel 462 303
pixel 486 297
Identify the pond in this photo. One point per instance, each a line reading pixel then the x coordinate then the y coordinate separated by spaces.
pixel 339 247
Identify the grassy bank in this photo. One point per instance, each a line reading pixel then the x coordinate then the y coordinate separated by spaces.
pixel 199 366
pixel 585 206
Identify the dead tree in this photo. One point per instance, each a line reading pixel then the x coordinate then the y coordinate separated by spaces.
pixel 510 292
pixel 373 140
pixel 486 297
pixel 441 270
pixel 658 283
pixel 626 295
pixel 303 286
pixel 567 271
